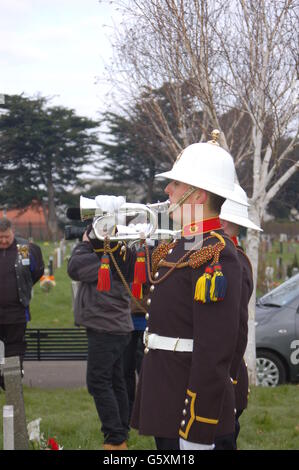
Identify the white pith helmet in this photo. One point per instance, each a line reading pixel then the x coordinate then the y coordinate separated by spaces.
pixel 206 166
pixel 237 213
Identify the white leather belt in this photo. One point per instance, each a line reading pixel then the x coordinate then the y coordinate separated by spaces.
pixel 154 341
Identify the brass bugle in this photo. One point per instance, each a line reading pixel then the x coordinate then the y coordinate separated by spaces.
pixel 103 222
pixel 89 208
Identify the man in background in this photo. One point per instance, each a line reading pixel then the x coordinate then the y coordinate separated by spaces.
pixel 21 266
pixel 106 315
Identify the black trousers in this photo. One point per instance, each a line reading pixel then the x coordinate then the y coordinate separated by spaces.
pixel 106 383
pixel 225 442
pixel 13 337
pixel 229 442
pixel 133 355
pixel 164 443
pixel 237 424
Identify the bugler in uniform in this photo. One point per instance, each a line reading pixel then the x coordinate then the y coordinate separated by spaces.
pixel 185 387
pixel 232 216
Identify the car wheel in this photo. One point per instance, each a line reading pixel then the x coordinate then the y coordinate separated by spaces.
pixel 270 370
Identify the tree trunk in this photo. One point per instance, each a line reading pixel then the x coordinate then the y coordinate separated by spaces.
pixel 252 251
pixel 52 218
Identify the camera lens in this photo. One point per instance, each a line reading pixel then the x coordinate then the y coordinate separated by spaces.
pixel 73 233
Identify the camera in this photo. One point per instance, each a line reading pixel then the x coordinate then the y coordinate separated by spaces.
pixel 76 231
pixel 71 232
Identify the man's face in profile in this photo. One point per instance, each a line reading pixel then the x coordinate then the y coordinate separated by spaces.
pixel 6 239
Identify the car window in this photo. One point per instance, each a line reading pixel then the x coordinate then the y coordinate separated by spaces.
pixel 283 294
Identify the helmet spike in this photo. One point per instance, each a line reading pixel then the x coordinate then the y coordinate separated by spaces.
pixel 215 136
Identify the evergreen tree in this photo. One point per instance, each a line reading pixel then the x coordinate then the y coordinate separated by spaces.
pixel 132 155
pixel 42 151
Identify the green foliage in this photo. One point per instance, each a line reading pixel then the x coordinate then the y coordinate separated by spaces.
pixel 132 154
pixel 288 196
pixel 42 151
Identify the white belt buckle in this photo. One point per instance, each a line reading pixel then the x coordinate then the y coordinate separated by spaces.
pixel 176 343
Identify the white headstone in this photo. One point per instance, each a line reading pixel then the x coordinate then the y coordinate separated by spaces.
pixel 8 427
pixel 59 257
pixel 2 355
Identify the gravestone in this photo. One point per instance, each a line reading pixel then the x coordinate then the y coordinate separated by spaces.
pixel 8 427
pixel 62 246
pixel 50 266
pixel 14 397
pixel 58 258
pixel 269 275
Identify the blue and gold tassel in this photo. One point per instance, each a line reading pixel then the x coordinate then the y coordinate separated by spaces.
pixel 218 284
pixel 203 284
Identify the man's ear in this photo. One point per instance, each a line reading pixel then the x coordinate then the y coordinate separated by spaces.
pixel 224 224
pixel 201 196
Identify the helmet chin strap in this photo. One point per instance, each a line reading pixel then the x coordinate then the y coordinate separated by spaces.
pixel 181 201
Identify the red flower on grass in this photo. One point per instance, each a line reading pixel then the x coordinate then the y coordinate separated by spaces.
pixel 52 444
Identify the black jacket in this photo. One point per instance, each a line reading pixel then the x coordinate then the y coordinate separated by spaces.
pixel 20 269
pixel 102 311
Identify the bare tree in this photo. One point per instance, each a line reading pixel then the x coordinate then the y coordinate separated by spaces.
pixel 259 55
pixel 235 59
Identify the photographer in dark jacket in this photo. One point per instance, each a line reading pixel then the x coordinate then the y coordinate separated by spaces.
pixel 21 266
pixel 107 319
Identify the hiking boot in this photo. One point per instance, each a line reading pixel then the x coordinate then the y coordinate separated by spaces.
pixel 122 446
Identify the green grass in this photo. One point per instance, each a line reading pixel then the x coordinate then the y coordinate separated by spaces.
pixel 53 309
pixel 270 422
pixel 70 416
pixel 272 419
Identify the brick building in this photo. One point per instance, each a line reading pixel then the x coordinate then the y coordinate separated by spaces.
pixel 28 222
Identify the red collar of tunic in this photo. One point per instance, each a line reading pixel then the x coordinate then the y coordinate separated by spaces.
pixel 235 240
pixel 202 226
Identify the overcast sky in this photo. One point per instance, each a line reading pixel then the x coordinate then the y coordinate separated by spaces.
pixel 56 47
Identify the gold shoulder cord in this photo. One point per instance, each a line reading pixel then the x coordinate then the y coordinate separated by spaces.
pixel 209 251
pixel 194 262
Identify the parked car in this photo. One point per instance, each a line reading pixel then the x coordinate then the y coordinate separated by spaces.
pixel 277 335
